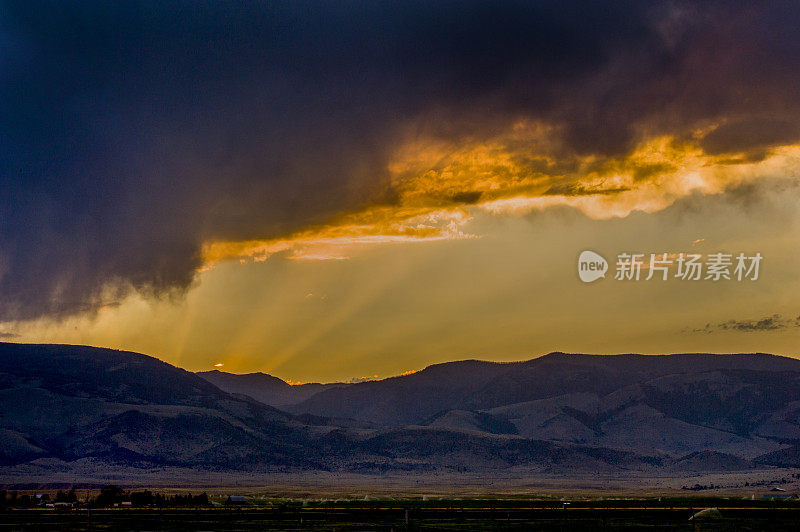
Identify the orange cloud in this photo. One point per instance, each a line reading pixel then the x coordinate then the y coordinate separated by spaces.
pixel 436 187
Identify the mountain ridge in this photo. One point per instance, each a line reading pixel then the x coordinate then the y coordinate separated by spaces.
pixel 69 406
pixel 264 387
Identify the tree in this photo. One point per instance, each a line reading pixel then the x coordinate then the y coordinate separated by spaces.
pixel 109 495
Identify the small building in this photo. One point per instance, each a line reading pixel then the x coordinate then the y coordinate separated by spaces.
pixel 236 499
pixel 777 493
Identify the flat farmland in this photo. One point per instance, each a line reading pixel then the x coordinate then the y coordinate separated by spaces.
pixel 478 514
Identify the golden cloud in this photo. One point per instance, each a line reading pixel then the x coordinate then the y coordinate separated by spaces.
pixel 437 185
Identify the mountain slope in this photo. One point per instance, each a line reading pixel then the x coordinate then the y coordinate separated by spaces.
pixel 474 385
pixel 72 401
pixel 560 413
pixel 265 388
pixel 746 405
pixel 410 399
pixel 66 405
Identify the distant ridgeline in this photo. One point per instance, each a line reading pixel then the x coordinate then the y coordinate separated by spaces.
pixel 89 409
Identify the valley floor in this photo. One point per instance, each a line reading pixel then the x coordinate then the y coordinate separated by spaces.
pixel 450 515
pixel 508 482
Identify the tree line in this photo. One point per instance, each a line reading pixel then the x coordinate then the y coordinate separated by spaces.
pixel 109 496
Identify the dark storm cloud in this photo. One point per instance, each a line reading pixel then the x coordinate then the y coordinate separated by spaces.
pixel 132 132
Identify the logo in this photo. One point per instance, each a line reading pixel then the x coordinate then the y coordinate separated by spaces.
pixel 664 266
pixel 591 266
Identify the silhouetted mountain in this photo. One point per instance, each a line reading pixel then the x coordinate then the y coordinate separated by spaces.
pixel 474 385
pixel 410 399
pixel 64 405
pixel 265 388
pixel 71 402
pixel 68 404
pixel 671 404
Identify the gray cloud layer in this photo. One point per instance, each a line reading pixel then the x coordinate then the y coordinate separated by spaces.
pixel 774 322
pixel 131 133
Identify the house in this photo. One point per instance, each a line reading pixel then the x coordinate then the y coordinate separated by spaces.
pixel 236 499
pixel 64 504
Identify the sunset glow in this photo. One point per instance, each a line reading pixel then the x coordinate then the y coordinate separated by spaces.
pixel 323 202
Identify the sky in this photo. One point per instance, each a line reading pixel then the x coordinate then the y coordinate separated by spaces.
pixel 342 190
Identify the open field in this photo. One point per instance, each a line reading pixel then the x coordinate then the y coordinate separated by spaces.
pixel 415 514
pixel 327 484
